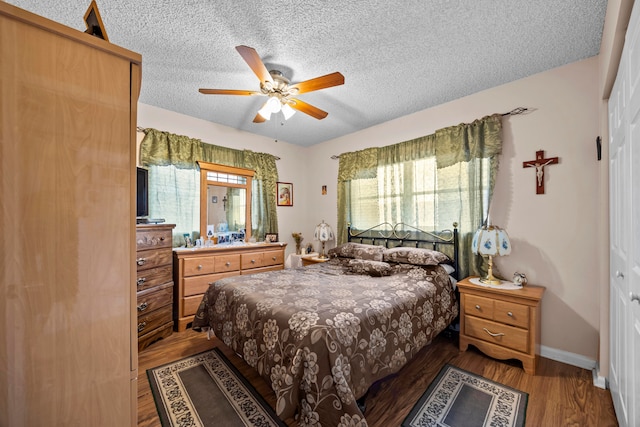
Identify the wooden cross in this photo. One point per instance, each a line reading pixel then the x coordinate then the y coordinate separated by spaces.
pixel 539 163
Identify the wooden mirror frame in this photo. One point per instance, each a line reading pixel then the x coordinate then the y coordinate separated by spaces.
pixel 206 167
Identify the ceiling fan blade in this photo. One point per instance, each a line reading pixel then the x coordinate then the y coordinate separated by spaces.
pixel 228 92
pixel 252 58
pixel 308 109
pixel 330 80
pixel 258 119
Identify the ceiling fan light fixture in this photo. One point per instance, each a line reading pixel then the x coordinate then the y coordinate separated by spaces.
pixel 274 105
pixel 265 111
pixel 287 111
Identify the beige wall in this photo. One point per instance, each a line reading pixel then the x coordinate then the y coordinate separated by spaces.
pixel 559 238
pixel 552 234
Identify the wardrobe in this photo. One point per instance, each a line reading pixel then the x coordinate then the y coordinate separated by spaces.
pixel 624 232
pixel 68 352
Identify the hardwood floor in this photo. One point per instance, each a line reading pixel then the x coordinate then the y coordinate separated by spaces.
pixel 559 394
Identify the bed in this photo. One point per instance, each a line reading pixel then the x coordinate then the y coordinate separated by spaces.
pixel 322 335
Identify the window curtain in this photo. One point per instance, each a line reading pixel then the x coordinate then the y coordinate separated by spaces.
pixel 174 181
pixel 428 182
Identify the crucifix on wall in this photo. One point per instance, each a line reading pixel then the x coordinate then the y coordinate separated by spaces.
pixel 539 163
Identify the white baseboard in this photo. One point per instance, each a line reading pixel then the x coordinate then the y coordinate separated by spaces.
pixel 598 380
pixel 568 358
pixel 575 360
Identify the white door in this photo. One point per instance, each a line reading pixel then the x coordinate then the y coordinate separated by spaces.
pixel 624 198
pixel 618 202
pixel 632 274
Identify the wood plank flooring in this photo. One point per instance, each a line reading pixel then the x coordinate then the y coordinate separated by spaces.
pixel 559 394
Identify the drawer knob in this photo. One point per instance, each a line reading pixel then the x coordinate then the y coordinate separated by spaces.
pixel 228 264
pixel 253 261
pixel 273 258
pixel 620 274
pixel 141 326
pixel 141 261
pixel 162 239
pixel 499 334
pixel 143 306
pixel 634 297
pixel 477 307
pixel 141 280
pixel 199 266
pixel 510 314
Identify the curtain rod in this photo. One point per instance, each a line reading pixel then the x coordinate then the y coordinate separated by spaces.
pixel 141 129
pixel 514 112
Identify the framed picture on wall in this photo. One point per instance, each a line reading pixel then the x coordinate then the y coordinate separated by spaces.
pixel 284 194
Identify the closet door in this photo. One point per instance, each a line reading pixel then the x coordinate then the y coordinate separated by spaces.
pixel 618 205
pixel 631 274
pixel 624 151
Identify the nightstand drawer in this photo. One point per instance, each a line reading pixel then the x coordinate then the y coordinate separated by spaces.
pixel 478 306
pixel 497 333
pixel 511 313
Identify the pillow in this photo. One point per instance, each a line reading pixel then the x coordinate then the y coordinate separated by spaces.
pixel 449 268
pixel 417 256
pixel 357 251
pixel 372 268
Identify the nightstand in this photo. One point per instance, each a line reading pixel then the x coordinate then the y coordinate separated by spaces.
pixel 504 324
pixel 308 260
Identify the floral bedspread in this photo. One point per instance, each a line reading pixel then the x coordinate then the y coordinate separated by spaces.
pixel 321 335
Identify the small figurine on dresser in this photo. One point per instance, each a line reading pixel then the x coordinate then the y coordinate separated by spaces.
pixel 519 279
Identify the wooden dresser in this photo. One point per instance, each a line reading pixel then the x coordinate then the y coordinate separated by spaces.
pixel 154 282
pixel 195 269
pixel 501 323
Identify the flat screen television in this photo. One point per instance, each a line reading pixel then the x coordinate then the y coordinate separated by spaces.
pixel 142 193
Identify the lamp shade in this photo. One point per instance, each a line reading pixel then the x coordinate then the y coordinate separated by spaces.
pixel 323 232
pixel 287 111
pixel 491 241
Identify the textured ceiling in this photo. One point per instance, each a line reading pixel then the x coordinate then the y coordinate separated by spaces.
pixel 397 57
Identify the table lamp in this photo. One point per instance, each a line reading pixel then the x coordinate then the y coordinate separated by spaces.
pixel 323 233
pixel 491 241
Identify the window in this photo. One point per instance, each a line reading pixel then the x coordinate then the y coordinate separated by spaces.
pixel 416 193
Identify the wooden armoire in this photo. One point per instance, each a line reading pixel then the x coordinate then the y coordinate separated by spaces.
pixel 68 347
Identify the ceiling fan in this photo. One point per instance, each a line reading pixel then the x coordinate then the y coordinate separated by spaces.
pixel 280 91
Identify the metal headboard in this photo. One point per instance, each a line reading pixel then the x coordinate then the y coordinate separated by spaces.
pixel 401 234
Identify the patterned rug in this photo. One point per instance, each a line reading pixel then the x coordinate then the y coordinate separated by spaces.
pixel 207 390
pixel 457 398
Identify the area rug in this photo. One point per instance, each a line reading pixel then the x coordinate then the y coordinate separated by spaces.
pixel 207 390
pixel 457 398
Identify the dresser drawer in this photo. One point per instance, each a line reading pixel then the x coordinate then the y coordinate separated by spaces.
pixel 153 239
pixel 497 333
pixel 251 260
pixel 272 258
pixel 154 319
pixel 190 305
pixel 261 269
pixel 511 313
pixel 153 258
pixel 153 277
pixel 198 266
pixel 223 263
pixel 478 306
pixel 197 285
pixel 153 299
